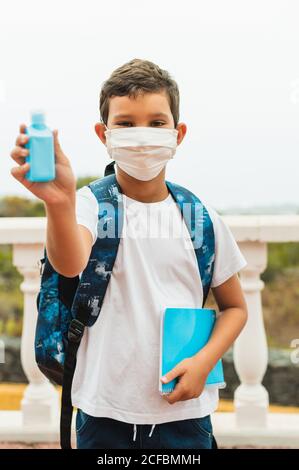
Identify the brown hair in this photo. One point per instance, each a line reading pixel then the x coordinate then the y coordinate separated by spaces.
pixel 139 76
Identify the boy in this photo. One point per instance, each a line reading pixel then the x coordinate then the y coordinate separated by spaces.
pixel 115 382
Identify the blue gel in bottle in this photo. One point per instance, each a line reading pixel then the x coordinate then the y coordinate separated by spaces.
pixel 41 150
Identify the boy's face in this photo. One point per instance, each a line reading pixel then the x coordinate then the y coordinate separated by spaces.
pixel 149 109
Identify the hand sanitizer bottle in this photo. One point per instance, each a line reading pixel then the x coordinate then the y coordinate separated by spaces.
pixel 41 150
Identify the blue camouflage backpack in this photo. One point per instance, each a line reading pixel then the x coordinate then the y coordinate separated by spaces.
pixel 67 305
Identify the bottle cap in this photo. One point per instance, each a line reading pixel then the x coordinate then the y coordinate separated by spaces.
pixel 37 117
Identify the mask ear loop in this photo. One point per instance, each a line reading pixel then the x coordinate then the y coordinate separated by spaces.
pixel 109 169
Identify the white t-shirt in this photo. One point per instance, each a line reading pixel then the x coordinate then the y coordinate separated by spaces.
pixel 117 372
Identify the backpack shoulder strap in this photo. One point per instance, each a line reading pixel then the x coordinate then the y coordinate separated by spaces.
pixel 91 290
pixel 200 227
pixel 95 278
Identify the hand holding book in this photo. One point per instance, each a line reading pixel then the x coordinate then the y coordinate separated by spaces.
pixel 192 374
pixel 183 364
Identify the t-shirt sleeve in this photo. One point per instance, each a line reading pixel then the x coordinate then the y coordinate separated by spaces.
pixel 229 259
pixel 87 210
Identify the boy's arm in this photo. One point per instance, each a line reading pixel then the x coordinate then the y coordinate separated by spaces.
pixel 68 244
pixel 233 316
pixel 228 295
pixel 193 371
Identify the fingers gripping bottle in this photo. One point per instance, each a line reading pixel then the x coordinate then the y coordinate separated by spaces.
pixel 41 150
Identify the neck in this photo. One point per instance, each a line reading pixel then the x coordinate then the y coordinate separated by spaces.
pixel 154 190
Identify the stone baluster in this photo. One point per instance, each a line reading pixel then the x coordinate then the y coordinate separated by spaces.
pixel 40 403
pixel 251 399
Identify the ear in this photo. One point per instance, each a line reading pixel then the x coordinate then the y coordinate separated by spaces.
pixel 100 129
pixel 182 129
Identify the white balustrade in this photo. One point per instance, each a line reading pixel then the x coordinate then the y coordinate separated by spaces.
pixel 40 403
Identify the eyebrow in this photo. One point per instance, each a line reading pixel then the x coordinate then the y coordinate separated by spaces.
pixel 122 116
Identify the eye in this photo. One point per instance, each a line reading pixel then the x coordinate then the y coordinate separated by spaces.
pixel 124 124
pixel 158 123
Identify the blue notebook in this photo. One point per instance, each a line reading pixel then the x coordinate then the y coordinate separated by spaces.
pixel 184 331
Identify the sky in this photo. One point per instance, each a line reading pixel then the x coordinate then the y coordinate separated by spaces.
pixel 236 63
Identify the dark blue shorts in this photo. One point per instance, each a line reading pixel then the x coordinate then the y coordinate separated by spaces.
pixel 107 433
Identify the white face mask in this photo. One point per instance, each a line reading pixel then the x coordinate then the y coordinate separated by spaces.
pixel 142 152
